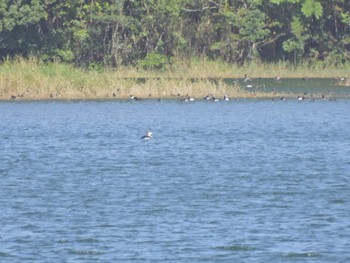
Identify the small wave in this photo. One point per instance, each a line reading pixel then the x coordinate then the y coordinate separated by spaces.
pixel 301 254
pixel 106 225
pixel 88 240
pixel 85 252
pixel 237 248
pixel 4 255
pixel 63 241
pixel 338 201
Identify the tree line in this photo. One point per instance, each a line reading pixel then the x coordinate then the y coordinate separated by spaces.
pixel 152 33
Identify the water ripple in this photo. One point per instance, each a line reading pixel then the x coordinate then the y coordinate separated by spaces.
pixel 244 181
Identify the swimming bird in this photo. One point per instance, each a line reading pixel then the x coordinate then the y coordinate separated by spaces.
pixel 278 79
pixel 246 79
pixel 188 98
pixel 134 98
pixel 148 136
pixel 214 99
pixel 226 98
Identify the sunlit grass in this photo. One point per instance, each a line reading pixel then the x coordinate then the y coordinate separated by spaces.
pixel 33 79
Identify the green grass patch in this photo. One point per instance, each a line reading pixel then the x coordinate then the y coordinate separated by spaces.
pixel 33 79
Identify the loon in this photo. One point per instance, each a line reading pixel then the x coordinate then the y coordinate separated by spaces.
pixel 134 98
pixel 188 98
pixel 148 136
pixel 246 78
pixel 278 79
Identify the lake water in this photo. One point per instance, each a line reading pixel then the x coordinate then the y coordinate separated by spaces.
pixel 234 181
pixel 329 87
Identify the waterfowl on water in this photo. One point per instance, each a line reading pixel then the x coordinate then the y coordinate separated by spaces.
pixel 246 79
pixel 278 79
pixel 226 98
pixel 344 81
pixel 134 98
pixel 188 98
pixel 148 136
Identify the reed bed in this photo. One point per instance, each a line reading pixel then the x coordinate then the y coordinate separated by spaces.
pixel 32 79
pixel 212 69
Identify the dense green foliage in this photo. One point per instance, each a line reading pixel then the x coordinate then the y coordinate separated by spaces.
pixel 150 33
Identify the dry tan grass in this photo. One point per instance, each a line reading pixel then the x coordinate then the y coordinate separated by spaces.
pixel 31 79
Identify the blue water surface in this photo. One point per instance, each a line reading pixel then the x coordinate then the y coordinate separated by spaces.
pixel 233 181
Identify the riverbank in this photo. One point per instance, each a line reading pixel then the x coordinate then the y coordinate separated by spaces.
pixel 33 80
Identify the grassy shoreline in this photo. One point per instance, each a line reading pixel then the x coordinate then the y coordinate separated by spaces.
pixel 33 80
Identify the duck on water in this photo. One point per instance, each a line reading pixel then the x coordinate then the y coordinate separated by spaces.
pixel 148 136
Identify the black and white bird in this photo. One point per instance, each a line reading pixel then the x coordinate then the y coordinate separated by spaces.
pixel 148 136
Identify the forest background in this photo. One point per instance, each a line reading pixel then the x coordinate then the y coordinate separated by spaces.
pixel 154 33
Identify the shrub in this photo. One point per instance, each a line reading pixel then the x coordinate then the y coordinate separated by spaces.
pixel 153 61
